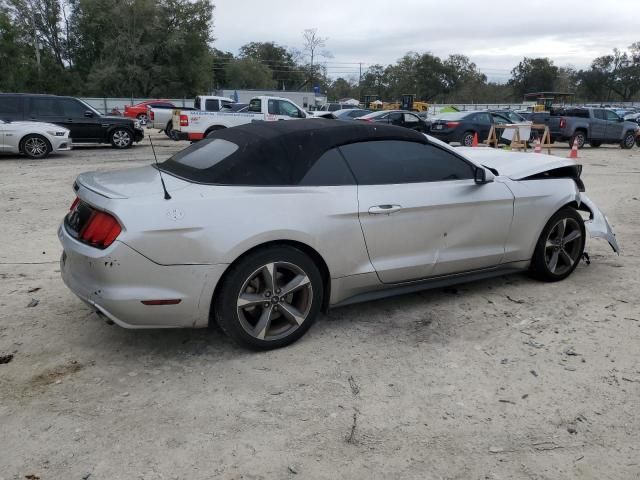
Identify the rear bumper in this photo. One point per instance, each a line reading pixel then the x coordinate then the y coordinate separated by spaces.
pixel 450 136
pixel 116 280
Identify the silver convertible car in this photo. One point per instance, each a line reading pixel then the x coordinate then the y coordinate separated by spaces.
pixel 263 226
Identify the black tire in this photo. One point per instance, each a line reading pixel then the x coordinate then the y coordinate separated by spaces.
pixel 595 144
pixel 35 146
pixel 580 136
pixel 551 244
pixel 212 129
pixel 121 138
pixel 628 141
pixel 168 128
pixel 249 278
pixel 467 139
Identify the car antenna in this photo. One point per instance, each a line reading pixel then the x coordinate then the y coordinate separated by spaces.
pixel 164 187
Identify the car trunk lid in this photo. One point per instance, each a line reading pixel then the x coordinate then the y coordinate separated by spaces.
pixel 129 183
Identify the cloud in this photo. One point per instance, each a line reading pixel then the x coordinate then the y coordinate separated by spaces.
pixel 496 35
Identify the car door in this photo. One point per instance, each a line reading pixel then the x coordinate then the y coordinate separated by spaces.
pixel 395 118
pixel 483 121
pixel 287 110
pixel 84 124
pixel 598 125
pixel 614 126
pixel 409 120
pixel 421 212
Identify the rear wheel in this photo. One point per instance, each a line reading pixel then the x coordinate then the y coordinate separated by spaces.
pixel 142 118
pixel 270 298
pixel 121 138
pixel 467 139
pixel 580 137
pixel 560 246
pixel 628 140
pixel 35 146
pixel 211 130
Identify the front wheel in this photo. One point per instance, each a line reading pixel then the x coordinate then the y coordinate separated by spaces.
pixel 269 298
pixel 121 138
pixel 559 247
pixel 35 146
pixel 628 140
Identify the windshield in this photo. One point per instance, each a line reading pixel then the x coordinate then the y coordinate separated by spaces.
pixel 452 116
pixel 89 107
pixel 380 114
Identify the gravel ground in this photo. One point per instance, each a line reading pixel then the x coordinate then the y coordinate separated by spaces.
pixel 506 378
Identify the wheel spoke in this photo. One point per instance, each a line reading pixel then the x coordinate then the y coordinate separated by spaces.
pixel 561 227
pixel 297 282
pixel 250 300
pixel 572 236
pixel 292 313
pixel 553 262
pixel 269 272
pixel 260 330
pixel 566 258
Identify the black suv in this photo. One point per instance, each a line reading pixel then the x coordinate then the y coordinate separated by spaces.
pixel 86 124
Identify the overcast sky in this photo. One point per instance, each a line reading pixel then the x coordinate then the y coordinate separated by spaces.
pixel 492 33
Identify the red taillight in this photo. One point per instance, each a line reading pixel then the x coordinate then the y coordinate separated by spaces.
pixel 101 230
pixel 184 121
pixel 563 122
pixel 452 124
pixel 151 115
pixel 73 205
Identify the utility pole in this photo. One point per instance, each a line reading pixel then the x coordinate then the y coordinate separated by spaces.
pixel 360 83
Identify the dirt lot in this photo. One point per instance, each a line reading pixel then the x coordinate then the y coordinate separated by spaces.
pixel 502 379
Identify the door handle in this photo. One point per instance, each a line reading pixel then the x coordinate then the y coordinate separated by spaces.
pixel 384 209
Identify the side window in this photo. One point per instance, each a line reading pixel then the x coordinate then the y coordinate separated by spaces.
pixel 395 117
pixel 612 116
pixel 45 107
pixel 273 107
pixel 397 162
pixel 196 104
pixel 255 105
pixel 408 118
pixel 599 114
pixel 10 105
pixel 329 169
pixel 289 109
pixel 334 107
pixel 226 104
pixel 483 118
pixel 212 105
pixel 72 108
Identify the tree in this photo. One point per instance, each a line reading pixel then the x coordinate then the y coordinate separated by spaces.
pixel 313 43
pixel 248 73
pixel 533 75
pixel 285 73
pixel 342 88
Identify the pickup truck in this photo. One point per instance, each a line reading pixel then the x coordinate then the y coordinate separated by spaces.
pixel 160 117
pixel 196 124
pixel 587 124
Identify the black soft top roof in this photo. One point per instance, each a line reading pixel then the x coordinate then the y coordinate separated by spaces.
pixel 280 153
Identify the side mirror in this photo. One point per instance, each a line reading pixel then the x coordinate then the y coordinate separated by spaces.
pixel 482 176
pixel 621 119
pixel 88 114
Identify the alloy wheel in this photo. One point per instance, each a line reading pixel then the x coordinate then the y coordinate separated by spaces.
pixel 121 138
pixel 467 140
pixel 562 247
pixel 274 301
pixel 143 119
pixel 35 147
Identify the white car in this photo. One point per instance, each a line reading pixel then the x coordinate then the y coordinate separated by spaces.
pixel 34 139
pixel 262 226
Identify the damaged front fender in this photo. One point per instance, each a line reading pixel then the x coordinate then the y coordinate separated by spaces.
pixel 598 225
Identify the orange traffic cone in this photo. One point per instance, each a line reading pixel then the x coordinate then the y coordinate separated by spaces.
pixel 475 140
pixel 538 147
pixel 574 149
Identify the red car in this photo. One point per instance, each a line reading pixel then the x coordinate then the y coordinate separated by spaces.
pixel 139 110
